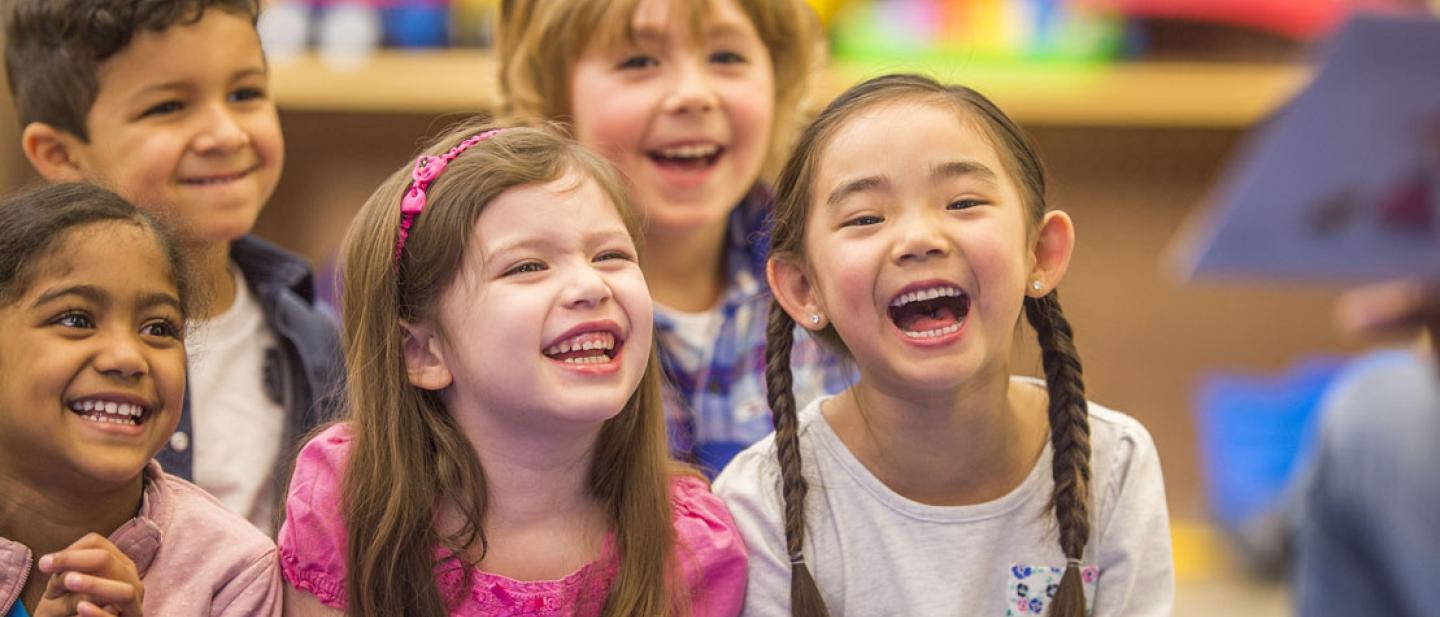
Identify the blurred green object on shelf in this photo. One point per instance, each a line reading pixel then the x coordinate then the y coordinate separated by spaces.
pixel 972 31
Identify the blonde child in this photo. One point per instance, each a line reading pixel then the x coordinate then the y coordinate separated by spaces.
pixel 167 103
pixel 911 230
pixel 505 452
pixel 93 302
pixel 688 98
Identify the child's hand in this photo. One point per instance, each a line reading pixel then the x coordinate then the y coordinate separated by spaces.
pixel 90 578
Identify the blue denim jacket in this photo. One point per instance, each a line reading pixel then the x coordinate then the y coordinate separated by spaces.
pixel 305 375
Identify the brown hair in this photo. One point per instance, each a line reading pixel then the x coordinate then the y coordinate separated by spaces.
pixel 33 223
pixel 1069 415
pixel 540 41
pixel 410 458
pixel 54 48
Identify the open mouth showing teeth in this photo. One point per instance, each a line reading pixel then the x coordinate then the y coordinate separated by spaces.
pixel 927 313
pixel 109 412
pixel 692 158
pixel 587 348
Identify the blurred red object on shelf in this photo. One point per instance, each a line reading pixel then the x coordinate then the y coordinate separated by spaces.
pixel 1301 19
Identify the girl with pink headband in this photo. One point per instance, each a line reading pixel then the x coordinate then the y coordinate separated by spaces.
pixel 504 451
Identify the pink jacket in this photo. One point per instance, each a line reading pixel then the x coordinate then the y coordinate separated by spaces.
pixel 193 555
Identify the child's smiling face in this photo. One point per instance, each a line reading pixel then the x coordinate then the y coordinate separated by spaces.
pixel 99 325
pixel 548 323
pixel 917 247
pixel 687 119
pixel 183 123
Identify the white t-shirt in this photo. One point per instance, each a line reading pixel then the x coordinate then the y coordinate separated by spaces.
pixel 237 426
pixel 692 338
pixel 874 552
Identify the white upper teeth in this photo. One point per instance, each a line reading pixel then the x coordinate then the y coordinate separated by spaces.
pixel 109 407
pixel 926 294
pixel 690 152
pixel 583 342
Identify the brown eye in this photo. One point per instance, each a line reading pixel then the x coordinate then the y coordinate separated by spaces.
pixel 525 268
pixel 862 220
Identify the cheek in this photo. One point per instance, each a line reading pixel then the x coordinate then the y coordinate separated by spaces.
pixel 845 275
pixel 753 114
pixel 267 139
pixel 635 301
pixel 1001 270
pixel 607 117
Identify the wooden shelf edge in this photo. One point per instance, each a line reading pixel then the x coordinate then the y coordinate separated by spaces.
pixel 1177 94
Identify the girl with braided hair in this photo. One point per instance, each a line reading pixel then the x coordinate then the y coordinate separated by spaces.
pixel 910 233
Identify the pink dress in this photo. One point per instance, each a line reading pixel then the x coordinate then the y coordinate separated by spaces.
pixel 312 550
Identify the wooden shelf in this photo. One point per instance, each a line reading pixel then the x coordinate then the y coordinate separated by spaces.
pixel 1180 94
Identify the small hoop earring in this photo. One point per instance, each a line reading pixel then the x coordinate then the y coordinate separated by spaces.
pixel 814 319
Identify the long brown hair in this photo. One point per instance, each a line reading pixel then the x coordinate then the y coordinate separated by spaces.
pixel 540 40
pixel 1069 415
pixel 410 460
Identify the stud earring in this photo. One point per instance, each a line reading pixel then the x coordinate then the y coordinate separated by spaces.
pixel 1037 285
pixel 814 319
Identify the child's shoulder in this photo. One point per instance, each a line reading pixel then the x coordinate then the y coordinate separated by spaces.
pixel 712 554
pixel 265 266
pixel 756 468
pixel 196 528
pixel 692 501
pixel 324 455
pixel 1120 440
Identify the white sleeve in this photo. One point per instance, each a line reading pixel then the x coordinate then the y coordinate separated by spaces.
pixel 750 486
pixel 1137 573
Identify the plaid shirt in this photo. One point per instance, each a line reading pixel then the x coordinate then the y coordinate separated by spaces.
pixel 720 409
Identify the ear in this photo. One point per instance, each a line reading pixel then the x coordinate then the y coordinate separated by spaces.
pixel 1054 243
pixel 792 286
pixel 424 364
pixel 52 152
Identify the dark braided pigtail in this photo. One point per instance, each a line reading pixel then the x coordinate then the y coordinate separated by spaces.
pixel 1070 437
pixel 805 600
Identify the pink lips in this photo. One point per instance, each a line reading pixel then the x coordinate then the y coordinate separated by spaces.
pixel 217 179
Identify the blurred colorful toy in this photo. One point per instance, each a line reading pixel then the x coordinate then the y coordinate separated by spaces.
pixel 971 30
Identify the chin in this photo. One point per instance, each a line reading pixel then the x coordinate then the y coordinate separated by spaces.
pixel 114 471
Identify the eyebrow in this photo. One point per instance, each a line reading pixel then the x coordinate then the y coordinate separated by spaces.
pixel 540 244
pixel 956 169
pixel 98 296
pixel 941 171
pixel 182 84
pixel 858 185
pixel 155 299
pixel 725 29
pixel 87 292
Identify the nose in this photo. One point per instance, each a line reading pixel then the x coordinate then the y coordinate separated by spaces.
pixel 586 289
pixel 692 90
pixel 919 239
pixel 221 130
pixel 122 356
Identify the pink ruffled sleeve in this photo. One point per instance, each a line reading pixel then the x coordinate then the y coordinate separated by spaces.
pixel 711 552
pixel 312 539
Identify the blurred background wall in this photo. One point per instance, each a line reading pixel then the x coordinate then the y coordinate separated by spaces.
pixel 1136 106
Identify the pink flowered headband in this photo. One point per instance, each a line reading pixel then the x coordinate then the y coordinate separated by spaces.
pixel 427 169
